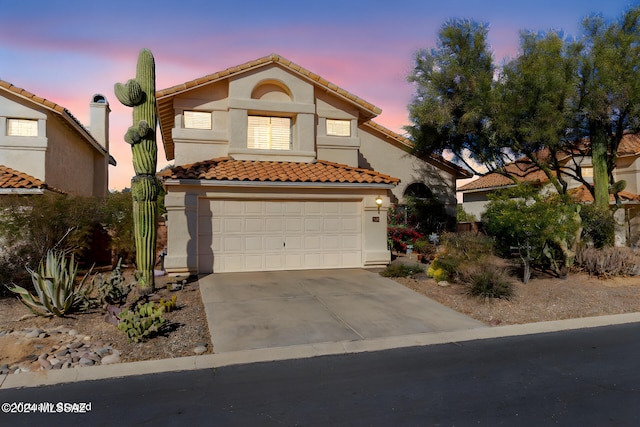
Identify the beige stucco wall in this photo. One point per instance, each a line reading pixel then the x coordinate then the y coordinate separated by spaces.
pixel 386 158
pixel 22 153
pixel 70 161
pixel 59 156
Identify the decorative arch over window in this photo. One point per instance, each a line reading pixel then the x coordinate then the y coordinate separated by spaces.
pixel 271 90
pixel 418 190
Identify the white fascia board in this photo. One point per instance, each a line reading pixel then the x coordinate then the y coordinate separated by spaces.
pixel 21 191
pixel 272 184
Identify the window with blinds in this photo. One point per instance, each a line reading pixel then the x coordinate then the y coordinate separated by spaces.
pixel 22 127
pixel 338 127
pixel 197 120
pixel 269 133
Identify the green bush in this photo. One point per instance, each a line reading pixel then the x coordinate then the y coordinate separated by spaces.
pixel 459 250
pixel 57 290
pixel 488 281
pixel 598 225
pixel 401 270
pixel 63 223
pixel 542 228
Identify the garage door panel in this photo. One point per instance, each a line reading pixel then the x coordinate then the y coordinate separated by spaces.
pixel 259 235
pixel 352 243
pixel 232 244
pixel 294 243
pixel 232 225
pixel 331 225
pixel 294 225
pixel 253 225
pixel 350 225
pixel 253 244
pixel 313 225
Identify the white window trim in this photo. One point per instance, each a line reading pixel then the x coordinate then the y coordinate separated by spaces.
pixel 337 127
pixel 269 133
pixel 192 119
pixel 22 127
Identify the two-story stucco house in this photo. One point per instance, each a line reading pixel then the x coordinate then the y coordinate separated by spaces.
pixel 278 169
pixel 43 147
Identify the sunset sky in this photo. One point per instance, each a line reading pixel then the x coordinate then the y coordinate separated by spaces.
pixel 66 51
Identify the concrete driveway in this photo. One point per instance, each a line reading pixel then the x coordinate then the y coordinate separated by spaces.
pixel 247 311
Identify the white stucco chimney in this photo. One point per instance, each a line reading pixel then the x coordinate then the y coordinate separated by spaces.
pixel 99 119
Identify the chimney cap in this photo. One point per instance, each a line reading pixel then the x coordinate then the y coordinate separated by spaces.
pixel 100 99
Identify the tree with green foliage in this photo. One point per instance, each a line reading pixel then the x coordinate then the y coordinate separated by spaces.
pixel 453 103
pixel 556 103
pixel 544 229
pixel 608 101
pixel 140 93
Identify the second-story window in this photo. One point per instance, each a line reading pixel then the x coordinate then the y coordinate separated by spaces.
pixel 269 133
pixel 22 127
pixel 338 127
pixel 197 119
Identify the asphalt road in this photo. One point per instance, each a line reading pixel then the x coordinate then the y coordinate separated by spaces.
pixel 589 377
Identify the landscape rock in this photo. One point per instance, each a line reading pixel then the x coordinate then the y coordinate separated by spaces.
pixel 110 359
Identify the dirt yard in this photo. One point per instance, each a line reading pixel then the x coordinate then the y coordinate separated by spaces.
pixel 543 298
pixel 185 330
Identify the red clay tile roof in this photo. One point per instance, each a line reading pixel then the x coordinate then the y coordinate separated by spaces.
pixel 56 108
pixel 583 195
pixel 522 169
pixel 164 97
pixel 228 169
pixel 629 145
pixel 16 180
pixel 525 171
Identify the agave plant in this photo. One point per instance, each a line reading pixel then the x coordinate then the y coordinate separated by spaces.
pixel 57 292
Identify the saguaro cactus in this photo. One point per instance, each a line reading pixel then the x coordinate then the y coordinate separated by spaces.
pixel 140 93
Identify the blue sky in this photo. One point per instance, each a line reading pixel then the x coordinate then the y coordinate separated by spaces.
pixel 67 51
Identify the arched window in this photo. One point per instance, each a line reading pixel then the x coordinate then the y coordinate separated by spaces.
pixel 418 190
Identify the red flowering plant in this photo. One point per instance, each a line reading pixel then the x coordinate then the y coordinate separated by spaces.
pixel 401 230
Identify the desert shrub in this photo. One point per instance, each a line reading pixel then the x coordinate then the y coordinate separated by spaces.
pixel 436 272
pixel 598 225
pixel 464 216
pixel 461 249
pixel 542 228
pixel 401 270
pixel 58 292
pixel 64 223
pixel 118 219
pixel 608 261
pixel 425 247
pixel 488 281
pixel 49 221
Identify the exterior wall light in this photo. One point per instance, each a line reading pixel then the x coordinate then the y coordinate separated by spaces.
pixel 379 202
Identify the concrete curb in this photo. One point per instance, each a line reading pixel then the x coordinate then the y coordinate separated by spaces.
pixel 210 361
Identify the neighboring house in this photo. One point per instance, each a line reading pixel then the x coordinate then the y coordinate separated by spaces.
pixel 277 168
pixel 474 193
pixel 43 147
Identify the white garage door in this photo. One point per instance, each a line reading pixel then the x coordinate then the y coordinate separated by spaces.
pixel 262 235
